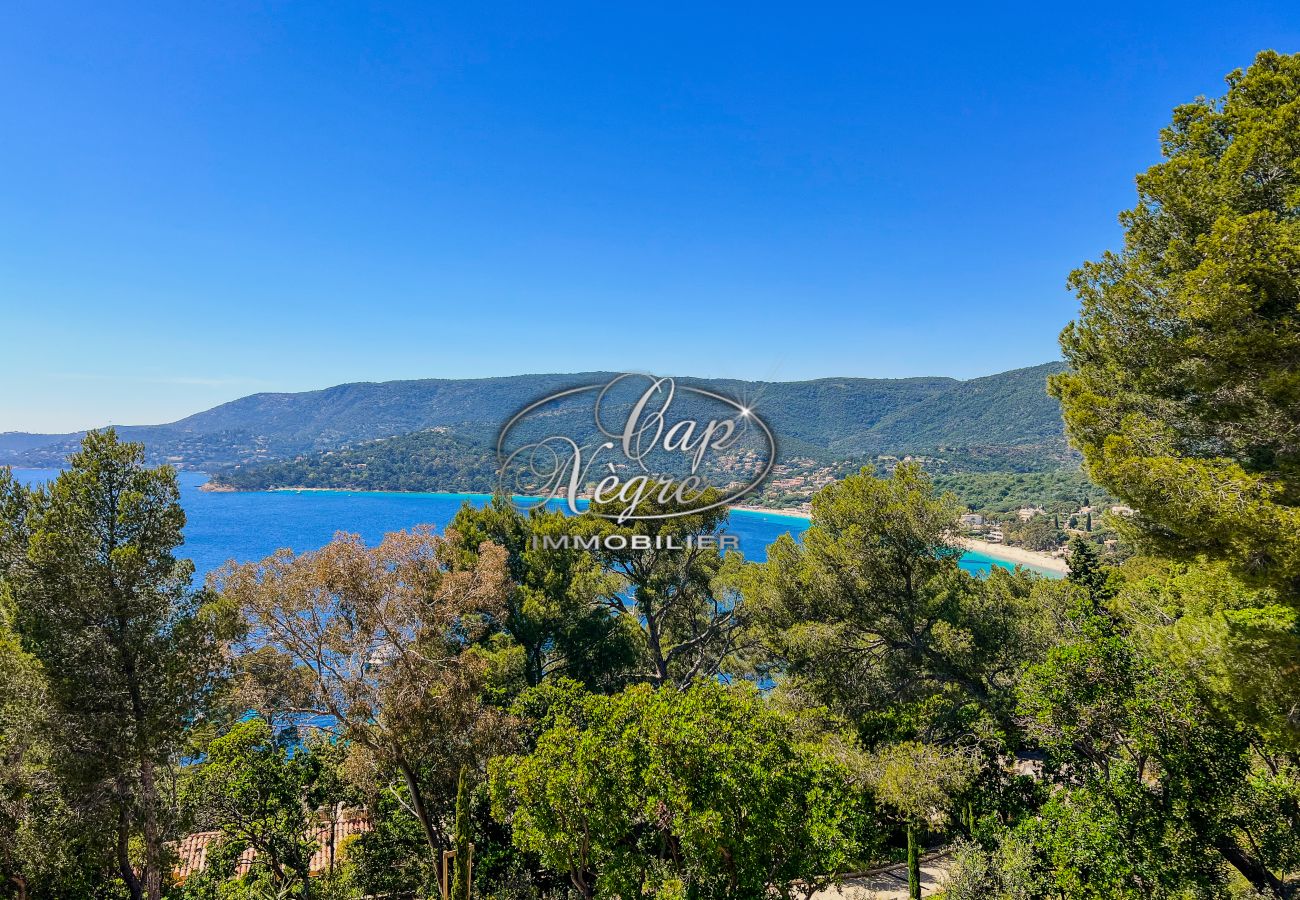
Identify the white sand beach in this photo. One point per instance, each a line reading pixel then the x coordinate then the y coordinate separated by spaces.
pixel 1020 555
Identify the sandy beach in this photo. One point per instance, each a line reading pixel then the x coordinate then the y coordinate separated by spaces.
pixel 1020 555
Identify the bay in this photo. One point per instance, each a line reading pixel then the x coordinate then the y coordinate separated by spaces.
pixel 247 526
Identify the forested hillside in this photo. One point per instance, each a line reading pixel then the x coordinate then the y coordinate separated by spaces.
pixel 828 417
pixel 1007 409
pixel 426 460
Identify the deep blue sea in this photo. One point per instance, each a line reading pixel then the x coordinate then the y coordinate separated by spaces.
pixel 248 526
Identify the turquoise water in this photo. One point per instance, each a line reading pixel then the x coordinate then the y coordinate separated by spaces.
pixel 249 526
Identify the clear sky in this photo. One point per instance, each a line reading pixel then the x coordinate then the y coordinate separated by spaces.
pixel 203 200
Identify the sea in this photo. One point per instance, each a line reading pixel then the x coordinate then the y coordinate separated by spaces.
pixel 250 525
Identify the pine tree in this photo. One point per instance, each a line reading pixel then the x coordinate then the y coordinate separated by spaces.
pixel 1184 390
pixel 1086 569
pixel 109 612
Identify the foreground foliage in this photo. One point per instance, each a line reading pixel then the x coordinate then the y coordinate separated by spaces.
pixel 385 639
pixel 703 793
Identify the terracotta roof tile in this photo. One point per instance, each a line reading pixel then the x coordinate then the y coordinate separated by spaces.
pixel 192 850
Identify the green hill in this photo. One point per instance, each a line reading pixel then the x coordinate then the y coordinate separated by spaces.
pixel 825 419
pixel 422 461
pixel 1009 409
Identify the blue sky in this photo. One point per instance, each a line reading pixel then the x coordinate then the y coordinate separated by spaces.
pixel 201 201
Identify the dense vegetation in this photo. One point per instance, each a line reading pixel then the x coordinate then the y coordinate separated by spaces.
pixel 1062 490
pixel 1007 410
pixel 423 461
pixel 637 720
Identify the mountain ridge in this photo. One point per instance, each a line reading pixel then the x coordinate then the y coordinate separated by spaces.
pixel 838 415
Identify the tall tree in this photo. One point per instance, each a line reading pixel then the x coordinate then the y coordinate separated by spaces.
pixel 1086 569
pixel 1184 397
pixel 1184 389
pixel 873 614
pixel 386 638
pixel 688 624
pixel 109 611
pixel 38 829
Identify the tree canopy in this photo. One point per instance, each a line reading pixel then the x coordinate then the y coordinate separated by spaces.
pixel 386 639
pixel 1184 384
pixel 706 793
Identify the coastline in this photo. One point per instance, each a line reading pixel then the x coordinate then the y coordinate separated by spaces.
pixel 208 486
pixel 1034 559
pixel 791 513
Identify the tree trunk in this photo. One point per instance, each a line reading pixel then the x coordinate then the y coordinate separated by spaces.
pixel 431 834
pixel 580 882
pixel 335 812
pixel 124 849
pixel 646 608
pixel 460 882
pixel 913 863
pixel 153 848
pixel 1251 869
